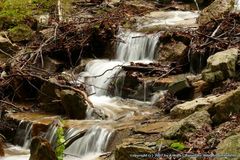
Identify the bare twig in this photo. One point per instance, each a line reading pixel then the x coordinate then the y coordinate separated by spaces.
pixel 11 104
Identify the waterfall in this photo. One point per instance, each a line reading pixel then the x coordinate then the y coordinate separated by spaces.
pixel 51 135
pixel 98 74
pixel 24 128
pixel 136 46
pixel 94 141
pixel 96 78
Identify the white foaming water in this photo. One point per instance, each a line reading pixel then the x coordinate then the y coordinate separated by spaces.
pixel 136 46
pixel 111 107
pixel 17 157
pixel 169 18
pixel 98 74
pixel 94 141
pixel 237 6
pixel 15 153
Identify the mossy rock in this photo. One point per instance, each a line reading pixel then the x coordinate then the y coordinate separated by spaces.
pixel 20 33
pixel 230 147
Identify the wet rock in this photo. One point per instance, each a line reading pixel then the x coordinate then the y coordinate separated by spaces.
pixel 49 100
pixel 40 149
pixel 20 33
pixel 74 104
pixel 215 10
pixel 174 84
pixel 177 85
pixel 225 105
pixel 55 99
pixel 229 146
pixel 175 51
pixel 132 152
pixel 187 108
pixel 195 121
pixel 221 66
pixel 80 68
pixel 38 129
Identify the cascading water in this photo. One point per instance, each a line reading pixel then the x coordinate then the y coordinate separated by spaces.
pixel 51 135
pixel 96 78
pixel 24 128
pixel 98 74
pixel 95 140
pixel 136 46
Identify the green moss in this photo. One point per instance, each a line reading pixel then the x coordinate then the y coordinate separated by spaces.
pixel 14 12
pixel 20 33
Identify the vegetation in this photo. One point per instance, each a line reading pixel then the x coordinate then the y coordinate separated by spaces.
pixel 20 32
pixel 60 143
pixel 14 12
pixel 178 146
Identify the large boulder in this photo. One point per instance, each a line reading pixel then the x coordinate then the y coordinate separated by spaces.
pixel 215 11
pixel 74 104
pixel 226 104
pixel 49 99
pixel 189 124
pixel 229 147
pixel 132 152
pixel 221 66
pixel 187 108
pixel 219 107
pixel 40 149
pixel 173 51
pixel 55 99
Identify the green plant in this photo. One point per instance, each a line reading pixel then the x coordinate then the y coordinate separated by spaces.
pixel 60 143
pixel 178 146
